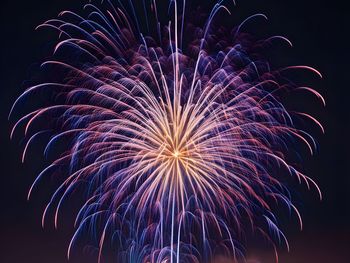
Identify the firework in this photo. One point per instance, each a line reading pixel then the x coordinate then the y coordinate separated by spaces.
pixel 175 132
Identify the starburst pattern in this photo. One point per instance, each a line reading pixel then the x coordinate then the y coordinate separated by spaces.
pixel 174 142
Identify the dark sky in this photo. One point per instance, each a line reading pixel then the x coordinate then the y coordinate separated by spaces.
pixel 319 31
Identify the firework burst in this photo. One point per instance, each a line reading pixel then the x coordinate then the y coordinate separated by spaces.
pixel 178 140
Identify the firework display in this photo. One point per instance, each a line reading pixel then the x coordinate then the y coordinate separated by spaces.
pixel 173 132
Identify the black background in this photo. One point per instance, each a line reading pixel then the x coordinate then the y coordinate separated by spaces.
pixel 319 32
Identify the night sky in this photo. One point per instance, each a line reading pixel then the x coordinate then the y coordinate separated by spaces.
pixel 319 31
